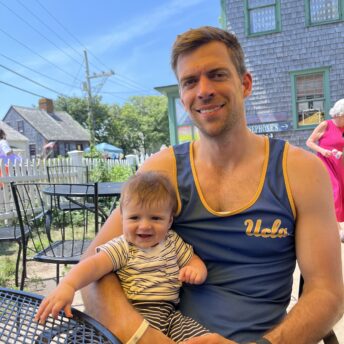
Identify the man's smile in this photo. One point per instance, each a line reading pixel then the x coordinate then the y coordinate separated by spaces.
pixel 209 108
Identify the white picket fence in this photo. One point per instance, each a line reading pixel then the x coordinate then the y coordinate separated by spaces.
pixel 35 170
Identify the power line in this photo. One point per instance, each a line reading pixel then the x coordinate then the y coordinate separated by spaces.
pixel 65 29
pixel 128 82
pixel 39 33
pixel 43 58
pixel 33 81
pixel 22 89
pixel 39 73
pixel 125 83
pixel 47 25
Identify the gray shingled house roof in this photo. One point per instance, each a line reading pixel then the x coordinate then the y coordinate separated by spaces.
pixel 12 134
pixel 55 126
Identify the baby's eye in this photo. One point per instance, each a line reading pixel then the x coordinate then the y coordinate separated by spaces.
pixel 156 218
pixel 133 217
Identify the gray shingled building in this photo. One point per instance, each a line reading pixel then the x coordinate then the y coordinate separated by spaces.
pixel 295 52
pixel 50 133
pixel 18 142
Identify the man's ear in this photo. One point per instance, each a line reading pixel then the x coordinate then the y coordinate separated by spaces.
pixel 247 84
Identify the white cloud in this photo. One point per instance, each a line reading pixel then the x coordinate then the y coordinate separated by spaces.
pixel 140 25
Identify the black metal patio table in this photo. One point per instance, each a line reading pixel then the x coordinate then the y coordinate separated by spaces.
pixel 70 191
pixel 105 189
pixel 17 324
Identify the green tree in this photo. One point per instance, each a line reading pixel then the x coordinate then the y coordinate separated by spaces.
pixel 140 124
pixel 78 109
pixel 148 115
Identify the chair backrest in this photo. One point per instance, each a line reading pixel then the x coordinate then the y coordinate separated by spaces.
pixel 68 174
pixel 54 234
pixel 9 226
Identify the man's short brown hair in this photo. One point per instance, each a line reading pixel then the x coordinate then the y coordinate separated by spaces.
pixel 148 189
pixel 194 38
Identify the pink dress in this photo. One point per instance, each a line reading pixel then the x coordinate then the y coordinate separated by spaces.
pixel 333 138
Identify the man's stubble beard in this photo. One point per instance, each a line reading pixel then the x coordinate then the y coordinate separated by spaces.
pixel 224 130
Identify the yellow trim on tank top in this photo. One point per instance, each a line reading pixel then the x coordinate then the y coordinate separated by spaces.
pixel 175 178
pixel 246 206
pixel 286 179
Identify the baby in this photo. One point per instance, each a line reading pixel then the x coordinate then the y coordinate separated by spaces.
pixel 150 260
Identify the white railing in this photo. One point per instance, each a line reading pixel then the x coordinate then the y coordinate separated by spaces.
pixel 35 170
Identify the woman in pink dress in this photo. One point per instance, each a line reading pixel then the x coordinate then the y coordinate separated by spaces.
pixel 327 140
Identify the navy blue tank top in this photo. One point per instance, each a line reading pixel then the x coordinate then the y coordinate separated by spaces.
pixel 249 252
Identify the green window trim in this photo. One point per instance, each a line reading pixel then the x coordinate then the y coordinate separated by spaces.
pixel 309 21
pixel 223 15
pixel 278 26
pixel 325 71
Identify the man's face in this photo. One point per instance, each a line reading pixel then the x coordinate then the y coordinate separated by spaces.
pixel 146 226
pixel 211 90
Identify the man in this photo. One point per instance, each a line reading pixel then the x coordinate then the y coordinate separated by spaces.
pixel 249 206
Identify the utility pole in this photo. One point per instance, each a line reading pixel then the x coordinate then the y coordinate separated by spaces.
pixel 87 87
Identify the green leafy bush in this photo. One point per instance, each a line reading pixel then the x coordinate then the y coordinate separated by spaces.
pixel 120 173
pixel 117 173
pixel 93 153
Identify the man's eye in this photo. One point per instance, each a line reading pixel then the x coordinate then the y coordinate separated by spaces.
pixel 188 83
pixel 218 75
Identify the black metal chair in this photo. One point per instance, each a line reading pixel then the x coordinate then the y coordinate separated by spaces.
pixel 331 337
pixel 55 236
pixel 68 174
pixel 10 232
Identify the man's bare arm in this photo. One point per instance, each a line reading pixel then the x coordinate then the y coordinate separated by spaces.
pixel 318 254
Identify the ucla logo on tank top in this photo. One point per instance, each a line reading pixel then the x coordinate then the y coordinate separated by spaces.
pixel 255 228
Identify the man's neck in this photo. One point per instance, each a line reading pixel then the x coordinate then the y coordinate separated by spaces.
pixel 225 151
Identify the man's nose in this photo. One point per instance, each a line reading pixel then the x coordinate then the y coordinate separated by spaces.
pixel 205 88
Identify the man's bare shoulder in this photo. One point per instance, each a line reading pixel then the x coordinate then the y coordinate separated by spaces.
pixel 307 174
pixel 162 161
pixel 301 158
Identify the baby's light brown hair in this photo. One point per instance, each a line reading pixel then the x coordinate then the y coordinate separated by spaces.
pixel 147 189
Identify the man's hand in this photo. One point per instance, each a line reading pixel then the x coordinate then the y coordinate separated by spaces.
pixel 212 338
pixel 59 298
pixel 192 275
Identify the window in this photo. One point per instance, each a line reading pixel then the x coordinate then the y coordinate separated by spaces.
pixel 79 147
pixel 32 149
pixel 310 96
pixel 262 16
pixel 185 129
pixel 67 147
pixel 20 126
pixel 324 11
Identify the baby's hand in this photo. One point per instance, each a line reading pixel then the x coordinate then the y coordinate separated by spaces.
pixel 192 275
pixel 60 298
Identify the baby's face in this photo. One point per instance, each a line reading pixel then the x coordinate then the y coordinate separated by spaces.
pixel 146 226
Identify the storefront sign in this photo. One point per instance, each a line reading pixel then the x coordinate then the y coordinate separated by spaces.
pixel 274 127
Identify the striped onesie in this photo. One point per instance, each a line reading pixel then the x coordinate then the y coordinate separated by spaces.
pixel 149 278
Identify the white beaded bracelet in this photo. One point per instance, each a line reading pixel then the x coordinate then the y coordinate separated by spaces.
pixel 139 332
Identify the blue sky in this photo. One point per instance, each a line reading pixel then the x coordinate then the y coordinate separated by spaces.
pixel 44 40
